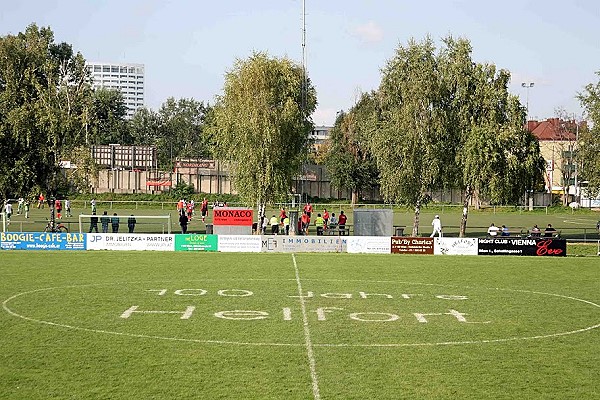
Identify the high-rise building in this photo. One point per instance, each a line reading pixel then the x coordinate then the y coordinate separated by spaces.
pixel 319 135
pixel 127 78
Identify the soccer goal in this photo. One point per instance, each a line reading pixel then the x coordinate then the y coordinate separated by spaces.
pixel 143 223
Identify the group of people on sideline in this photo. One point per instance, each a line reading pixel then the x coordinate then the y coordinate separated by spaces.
pixel 322 222
pixel 113 221
pixel 502 231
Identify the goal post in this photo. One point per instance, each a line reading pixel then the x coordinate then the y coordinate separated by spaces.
pixel 144 223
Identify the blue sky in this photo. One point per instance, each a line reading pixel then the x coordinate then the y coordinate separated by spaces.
pixel 187 46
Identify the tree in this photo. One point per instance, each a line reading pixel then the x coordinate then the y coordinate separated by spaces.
pixel 144 127
pixel 44 100
pixel 348 159
pixel 588 153
pixel 181 132
pixel 261 128
pixel 497 158
pixel 448 122
pixel 408 143
pixel 109 124
pixel 80 179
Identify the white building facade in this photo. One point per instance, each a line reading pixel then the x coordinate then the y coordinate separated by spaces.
pixel 127 78
pixel 319 136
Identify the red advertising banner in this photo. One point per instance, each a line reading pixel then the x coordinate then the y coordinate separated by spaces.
pixel 233 216
pixel 412 245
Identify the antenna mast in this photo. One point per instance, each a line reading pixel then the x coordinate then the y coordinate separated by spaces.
pixel 304 78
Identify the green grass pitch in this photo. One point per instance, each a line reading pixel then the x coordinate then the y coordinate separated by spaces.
pixel 135 325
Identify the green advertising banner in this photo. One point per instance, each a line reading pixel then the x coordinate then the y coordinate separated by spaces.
pixel 196 242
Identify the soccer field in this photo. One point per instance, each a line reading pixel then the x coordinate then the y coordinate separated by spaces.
pixel 134 325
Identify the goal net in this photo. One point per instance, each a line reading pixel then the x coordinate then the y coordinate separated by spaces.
pixel 141 223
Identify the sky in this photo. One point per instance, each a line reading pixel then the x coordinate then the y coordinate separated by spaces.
pixel 187 46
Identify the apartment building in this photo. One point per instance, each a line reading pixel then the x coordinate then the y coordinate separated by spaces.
pixel 127 78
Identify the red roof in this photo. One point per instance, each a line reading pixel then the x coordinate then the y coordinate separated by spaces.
pixel 553 129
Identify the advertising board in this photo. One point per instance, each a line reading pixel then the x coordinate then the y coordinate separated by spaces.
pixel 455 246
pixel 412 245
pixel 130 241
pixel 369 244
pixel 42 241
pixel 303 244
pixel 196 242
pixel 523 247
pixel 239 243
pixel 232 216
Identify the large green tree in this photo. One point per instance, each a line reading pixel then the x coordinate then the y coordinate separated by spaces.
pixel 45 97
pixel 448 122
pixel 109 123
pixel 181 132
pixel 496 158
pixel 588 146
pixel 410 139
pixel 261 125
pixel 348 159
pixel 144 127
pixel 108 120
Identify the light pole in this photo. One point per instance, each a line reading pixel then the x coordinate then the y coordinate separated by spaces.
pixel 527 86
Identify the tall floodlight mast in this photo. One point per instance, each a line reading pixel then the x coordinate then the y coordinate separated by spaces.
pixel 304 79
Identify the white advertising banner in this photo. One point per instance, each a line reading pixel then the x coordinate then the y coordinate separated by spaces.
pixel 130 241
pixel 239 243
pixel 455 246
pixel 370 244
pixel 303 244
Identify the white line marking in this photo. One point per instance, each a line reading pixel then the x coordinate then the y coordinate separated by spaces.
pixel 309 347
pixel 575 221
pixel 281 344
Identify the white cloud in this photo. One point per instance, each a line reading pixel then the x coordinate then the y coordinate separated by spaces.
pixel 369 32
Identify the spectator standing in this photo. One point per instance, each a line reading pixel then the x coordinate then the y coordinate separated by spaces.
pixel 58 208
pixel 274 222
pixel 282 215
pixel 308 209
pixel 40 201
pixel 94 223
pixel 190 210
pixel 437 226
pixel 325 218
pixel 93 204
pixel 104 221
pixel 204 209
pixel 319 224
pixel 26 206
pixel 114 221
pixel 183 221
pixel 68 208
pixel 263 225
pixel 286 225
pixel 342 223
pixel 131 223
pixel 20 206
pixel 8 211
pixel 305 222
